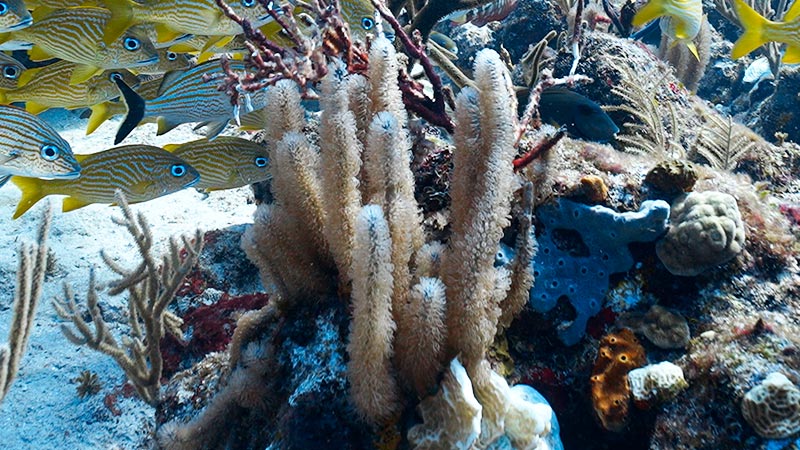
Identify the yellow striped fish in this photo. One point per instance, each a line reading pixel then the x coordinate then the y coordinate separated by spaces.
pixel 359 15
pixel 75 34
pixel 10 71
pixel 227 162
pixel 14 15
pixel 173 18
pixel 31 148
pixel 141 172
pixel 758 31
pixel 184 97
pixel 681 23
pixel 103 111
pixel 48 87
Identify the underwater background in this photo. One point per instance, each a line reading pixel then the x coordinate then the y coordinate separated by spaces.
pixel 404 224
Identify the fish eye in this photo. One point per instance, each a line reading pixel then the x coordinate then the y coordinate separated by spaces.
pixel 131 44
pixel 172 56
pixel 248 3
pixel 49 152
pixel 3 8
pixel 261 161
pixel 177 170
pixel 367 23
pixel 115 76
pixel 11 72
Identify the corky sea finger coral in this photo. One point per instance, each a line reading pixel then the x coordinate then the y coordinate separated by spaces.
pixel 706 230
pixel 773 407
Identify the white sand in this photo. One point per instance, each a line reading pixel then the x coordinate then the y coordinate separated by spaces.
pixel 42 408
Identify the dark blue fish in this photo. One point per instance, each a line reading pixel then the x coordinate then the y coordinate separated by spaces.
pixel 582 117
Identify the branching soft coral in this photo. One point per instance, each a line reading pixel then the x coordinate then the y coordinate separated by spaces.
pixel 151 287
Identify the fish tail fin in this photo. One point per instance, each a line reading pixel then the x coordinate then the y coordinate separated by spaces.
pixel 791 55
pixel 753 24
pixel 136 109
pixel 122 17
pixel 32 192
pixel 651 11
pixel 100 114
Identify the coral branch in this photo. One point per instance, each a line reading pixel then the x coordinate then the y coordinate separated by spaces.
pixel 30 278
pixel 432 110
pixel 151 287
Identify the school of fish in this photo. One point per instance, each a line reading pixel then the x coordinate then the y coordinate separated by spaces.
pixel 156 61
pixel 146 60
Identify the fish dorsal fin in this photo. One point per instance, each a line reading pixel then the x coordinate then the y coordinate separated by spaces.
pixel 171 147
pixel 72 203
pixel 35 108
pixel 38 54
pixel 165 33
pixel 168 80
pixel 165 126
pixel 27 75
pixel 792 54
pixel 83 73
pixel 32 192
pixel 793 12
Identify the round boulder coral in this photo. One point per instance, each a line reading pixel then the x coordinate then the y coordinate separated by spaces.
pixel 706 230
pixel 773 407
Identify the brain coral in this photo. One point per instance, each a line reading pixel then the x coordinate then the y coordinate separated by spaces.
pixel 773 407
pixel 706 230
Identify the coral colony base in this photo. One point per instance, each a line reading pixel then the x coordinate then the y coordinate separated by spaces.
pixel 473 224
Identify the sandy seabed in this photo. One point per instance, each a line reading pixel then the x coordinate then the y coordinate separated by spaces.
pixel 42 410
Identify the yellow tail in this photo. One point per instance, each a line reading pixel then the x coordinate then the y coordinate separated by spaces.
pixel 122 17
pixel 99 115
pixel 651 11
pixel 753 35
pixel 31 193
